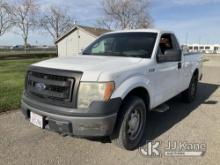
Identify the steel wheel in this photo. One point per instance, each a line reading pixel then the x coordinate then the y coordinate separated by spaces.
pixel 134 124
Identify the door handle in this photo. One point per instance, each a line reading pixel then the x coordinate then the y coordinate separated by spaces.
pixel 179 65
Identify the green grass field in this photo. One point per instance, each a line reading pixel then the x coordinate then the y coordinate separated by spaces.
pixel 12 74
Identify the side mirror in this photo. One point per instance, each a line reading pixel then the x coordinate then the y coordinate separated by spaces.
pixel 169 56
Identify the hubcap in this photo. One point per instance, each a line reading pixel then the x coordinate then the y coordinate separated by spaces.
pixel 134 124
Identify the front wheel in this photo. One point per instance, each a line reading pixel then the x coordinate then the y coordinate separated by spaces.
pixel 189 94
pixel 131 124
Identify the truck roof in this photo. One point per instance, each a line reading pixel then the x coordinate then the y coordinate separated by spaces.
pixel 140 30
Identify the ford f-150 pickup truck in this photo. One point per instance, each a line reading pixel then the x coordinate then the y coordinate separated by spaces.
pixel 109 89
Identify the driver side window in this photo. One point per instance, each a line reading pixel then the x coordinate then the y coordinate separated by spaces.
pixel 168 49
pixel 165 43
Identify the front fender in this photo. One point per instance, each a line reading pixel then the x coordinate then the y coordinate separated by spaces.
pixel 131 83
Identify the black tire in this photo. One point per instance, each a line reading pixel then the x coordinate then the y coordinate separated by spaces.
pixel 130 124
pixel 189 94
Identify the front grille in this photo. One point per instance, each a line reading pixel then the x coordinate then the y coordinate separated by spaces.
pixel 50 87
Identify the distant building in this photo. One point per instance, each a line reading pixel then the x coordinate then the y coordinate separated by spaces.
pixel 207 49
pixel 77 39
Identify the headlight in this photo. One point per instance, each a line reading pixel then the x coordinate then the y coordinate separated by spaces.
pixel 89 92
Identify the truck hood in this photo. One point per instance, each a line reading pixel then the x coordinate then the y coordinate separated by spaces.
pixel 91 66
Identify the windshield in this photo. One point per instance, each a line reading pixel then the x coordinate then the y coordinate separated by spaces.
pixel 123 44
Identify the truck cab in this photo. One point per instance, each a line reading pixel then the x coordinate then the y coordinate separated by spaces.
pixel 109 89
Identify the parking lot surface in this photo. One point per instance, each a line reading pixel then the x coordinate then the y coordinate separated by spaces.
pixel 22 143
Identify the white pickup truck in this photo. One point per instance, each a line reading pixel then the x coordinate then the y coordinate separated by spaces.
pixel 108 90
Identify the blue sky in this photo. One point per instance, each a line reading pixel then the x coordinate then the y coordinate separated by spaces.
pixel 194 21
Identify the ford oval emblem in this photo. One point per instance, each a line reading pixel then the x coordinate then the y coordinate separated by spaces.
pixel 40 86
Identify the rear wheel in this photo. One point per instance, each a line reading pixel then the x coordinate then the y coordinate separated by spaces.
pixel 131 124
pixel 189 95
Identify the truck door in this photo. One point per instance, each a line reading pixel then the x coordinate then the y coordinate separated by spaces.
pixel 167 78
pixel 180 69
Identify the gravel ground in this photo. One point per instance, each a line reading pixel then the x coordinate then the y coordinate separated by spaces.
pixel 22 143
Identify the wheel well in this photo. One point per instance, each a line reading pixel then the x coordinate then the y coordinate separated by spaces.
pixel 142 93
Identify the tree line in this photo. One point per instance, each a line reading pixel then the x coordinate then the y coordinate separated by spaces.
pixel 26 15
